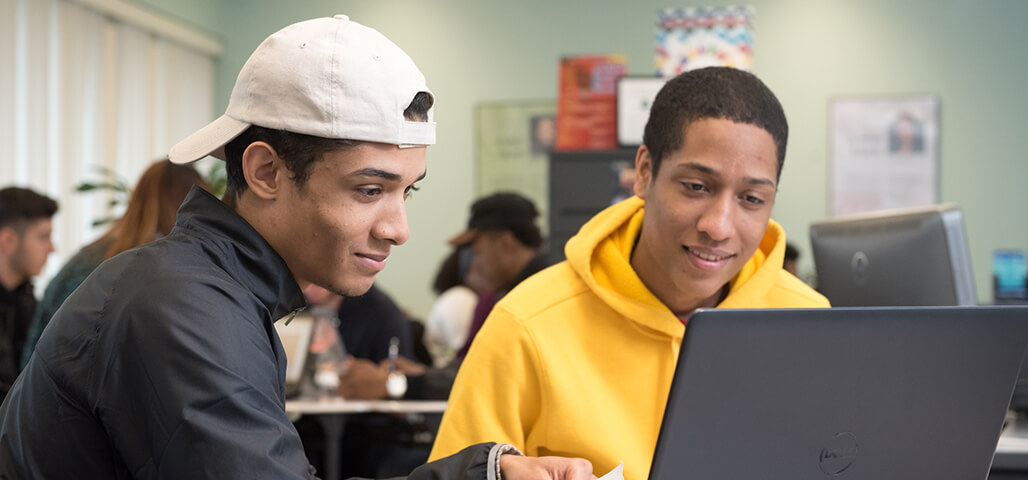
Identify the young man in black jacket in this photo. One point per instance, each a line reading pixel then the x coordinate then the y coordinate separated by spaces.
pixel 165 363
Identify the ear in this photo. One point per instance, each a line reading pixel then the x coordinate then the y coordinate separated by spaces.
pixel 9 239
pixel 263 170
pixel 643 171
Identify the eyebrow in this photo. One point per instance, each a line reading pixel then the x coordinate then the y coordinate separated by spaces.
pixel 714 173
pixel 379 173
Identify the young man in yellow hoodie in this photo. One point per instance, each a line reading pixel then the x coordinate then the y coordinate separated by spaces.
pixel 578 359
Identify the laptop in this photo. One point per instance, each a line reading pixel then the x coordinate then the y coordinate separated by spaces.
pixel 847 393
pixel 296 340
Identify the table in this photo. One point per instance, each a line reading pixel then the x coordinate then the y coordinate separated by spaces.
pixel 332 411
pixel 1011 459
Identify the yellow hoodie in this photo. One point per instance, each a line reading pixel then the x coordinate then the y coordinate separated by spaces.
pixel 577 360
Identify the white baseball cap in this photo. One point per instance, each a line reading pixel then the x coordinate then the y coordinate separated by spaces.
pixel 326 77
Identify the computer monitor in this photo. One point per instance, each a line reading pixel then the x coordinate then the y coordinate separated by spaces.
pixel 910 257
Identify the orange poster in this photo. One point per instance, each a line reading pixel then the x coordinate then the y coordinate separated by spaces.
pixel 587 102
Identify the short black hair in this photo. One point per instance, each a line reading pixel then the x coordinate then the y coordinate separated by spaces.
pixel 297 150
pixel 717 93
pixel 20 206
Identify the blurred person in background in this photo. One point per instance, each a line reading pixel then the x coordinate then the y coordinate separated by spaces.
pixel 507 247
pixel 449 319
pixel 25 228
pixel 149 215
pixel 373 444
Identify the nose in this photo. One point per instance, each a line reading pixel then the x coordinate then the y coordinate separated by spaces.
pixel 392 225
pixel 718 220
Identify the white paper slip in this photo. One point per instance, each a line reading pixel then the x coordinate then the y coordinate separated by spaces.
pixel 615 474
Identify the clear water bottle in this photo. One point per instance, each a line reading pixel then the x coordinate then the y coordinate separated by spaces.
pixel 327 355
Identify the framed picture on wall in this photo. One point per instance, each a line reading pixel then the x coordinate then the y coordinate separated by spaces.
pixel 634 97
pixel 884 153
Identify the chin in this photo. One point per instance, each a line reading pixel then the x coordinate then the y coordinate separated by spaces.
pixel 356 289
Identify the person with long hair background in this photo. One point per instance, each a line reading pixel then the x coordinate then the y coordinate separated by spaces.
pixel 149 215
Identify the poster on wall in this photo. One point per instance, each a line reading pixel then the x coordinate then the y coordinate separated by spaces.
pixel 513 141
pixel 691 38
pixel 586 105
pixel 884 153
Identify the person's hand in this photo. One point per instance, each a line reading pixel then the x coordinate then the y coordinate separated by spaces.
pixel 517 467
pixel 363 380
pixel 407 367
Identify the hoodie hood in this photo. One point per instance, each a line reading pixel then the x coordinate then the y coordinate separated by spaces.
pixel 600 253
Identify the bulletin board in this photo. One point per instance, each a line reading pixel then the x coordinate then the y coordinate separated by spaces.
pixel 513 142
pixel 884 153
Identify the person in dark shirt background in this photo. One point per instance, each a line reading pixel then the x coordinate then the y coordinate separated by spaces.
pixel 25 227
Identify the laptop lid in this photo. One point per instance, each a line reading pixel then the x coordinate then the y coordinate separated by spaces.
pixel 296 340
pixel 874 393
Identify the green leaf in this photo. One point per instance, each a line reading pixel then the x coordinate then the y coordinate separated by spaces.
pixel 103 221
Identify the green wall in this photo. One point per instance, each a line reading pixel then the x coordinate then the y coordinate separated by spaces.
pixel 971 53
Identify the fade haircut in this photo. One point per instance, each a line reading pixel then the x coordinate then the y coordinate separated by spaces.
pixel 715 93
pixel 298 151
pixel 21 206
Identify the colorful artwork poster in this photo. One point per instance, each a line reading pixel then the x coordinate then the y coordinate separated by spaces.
pixel 691 38
pixel 513 141
pixel 884 153
pixel 587 102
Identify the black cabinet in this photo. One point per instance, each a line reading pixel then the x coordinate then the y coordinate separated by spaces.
pixel 581 184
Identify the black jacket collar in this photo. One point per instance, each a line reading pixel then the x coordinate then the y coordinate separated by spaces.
pixel 242 252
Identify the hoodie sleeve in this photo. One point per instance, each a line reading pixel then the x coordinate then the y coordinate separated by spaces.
pixel 496 394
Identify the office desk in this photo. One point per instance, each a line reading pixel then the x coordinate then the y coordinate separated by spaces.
pixel 331 413
pixel 1011 460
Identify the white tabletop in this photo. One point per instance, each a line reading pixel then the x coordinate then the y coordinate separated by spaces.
pixel 1011 444
pixel 340 405
pixel 1014 438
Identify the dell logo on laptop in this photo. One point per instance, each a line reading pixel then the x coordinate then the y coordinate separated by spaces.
pixel 839 453
pixel 859 265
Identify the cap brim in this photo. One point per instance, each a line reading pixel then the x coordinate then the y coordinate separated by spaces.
pixel 208 140
pixel 463 238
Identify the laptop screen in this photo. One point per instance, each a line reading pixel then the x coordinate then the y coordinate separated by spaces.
pixel 296 339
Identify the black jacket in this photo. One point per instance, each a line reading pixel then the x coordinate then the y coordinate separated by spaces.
pixel 165 363
pixel 16 307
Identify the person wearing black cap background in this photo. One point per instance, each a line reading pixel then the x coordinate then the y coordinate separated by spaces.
pixel 507 247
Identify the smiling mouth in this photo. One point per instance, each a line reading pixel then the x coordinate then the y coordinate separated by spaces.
pixel 708 256
pixel 377 258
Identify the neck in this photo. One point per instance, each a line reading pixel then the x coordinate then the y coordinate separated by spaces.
pixel 10 279
pixel 259 214
pixel 710 302
pixel 252 209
